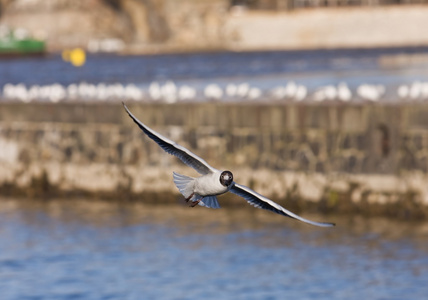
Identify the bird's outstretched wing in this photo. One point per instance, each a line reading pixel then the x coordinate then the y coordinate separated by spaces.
pixel 260 201
pixel 189 158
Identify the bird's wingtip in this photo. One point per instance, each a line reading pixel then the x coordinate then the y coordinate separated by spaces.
pixel 329 224
pixel 126 107
pixel 325 225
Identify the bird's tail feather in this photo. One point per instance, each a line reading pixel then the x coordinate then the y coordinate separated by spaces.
pixel 185 184
pixel 210 202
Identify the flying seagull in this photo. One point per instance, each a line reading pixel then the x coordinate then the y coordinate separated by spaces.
pixel 212 182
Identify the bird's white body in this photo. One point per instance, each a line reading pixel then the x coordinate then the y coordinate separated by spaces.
pixel 201 190
pixel 209 185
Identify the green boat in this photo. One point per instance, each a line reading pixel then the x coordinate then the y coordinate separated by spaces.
pixel 12 44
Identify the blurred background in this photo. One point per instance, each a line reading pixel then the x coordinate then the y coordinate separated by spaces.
pixel 321 106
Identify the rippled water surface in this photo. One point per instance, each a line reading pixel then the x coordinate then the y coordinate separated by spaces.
pixel 311 67
pixel 76 249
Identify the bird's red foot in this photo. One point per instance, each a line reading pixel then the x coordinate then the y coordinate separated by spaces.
pixel 190 197
pixel 194 203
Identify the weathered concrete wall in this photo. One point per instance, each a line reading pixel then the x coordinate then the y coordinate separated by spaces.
pixel 330 28
pixel 359 155
pixel 386 139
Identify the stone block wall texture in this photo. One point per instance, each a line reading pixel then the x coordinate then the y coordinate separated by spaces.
pixel 374 153
pixel 357 139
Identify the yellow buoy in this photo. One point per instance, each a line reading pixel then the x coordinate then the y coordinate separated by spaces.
pixel 77 56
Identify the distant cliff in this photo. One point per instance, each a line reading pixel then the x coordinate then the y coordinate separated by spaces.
pixel 192 25
pixel 141 24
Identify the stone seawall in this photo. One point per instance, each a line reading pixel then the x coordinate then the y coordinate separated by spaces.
pixel 368 158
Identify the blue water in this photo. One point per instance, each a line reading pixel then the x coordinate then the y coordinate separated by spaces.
pixel 62 250
pixel 313 70
pixel 328 66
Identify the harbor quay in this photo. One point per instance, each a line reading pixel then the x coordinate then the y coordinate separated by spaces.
pixel 367 158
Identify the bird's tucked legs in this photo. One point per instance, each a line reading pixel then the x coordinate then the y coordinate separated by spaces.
pixel 194 203
pixel 190 197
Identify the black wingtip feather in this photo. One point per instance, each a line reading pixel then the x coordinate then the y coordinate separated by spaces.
pixel 172 148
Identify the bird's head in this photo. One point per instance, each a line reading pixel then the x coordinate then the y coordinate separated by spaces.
pixel 226 178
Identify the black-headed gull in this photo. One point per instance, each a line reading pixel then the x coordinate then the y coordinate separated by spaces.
pixel 212 182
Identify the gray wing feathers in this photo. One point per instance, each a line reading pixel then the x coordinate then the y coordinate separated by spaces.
pixel 189 158
pixel 185 184
pixel 260 201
